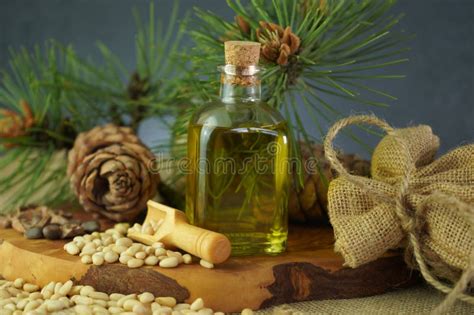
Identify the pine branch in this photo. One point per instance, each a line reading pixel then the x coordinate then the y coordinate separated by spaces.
pixel 340 41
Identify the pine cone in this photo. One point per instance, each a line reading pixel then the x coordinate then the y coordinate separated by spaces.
pixel 108 169
pixel 14 124
pixel 278 44
pixel 308 204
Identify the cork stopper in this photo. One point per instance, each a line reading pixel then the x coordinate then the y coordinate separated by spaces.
pixel 242 53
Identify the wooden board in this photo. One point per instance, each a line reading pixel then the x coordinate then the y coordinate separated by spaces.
pixel 310 270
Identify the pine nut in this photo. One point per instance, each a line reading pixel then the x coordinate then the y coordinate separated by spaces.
pixel 166 301
pixel 86 290
pixel 54 305
pixel 98 259
pixel 86 259
pixel 125 298
pixel 116 296
pixel 124 241
pixel 151 261
pixel 31 305
pixel 111 257
pixel 65 288
pixel 124 258
pixel 83 300
pixel 99 296
pixel 169 262
pixel 135 263
pixel 187 259
pixel 146 297
pixel 140 255
pixel 82 309
pixel 4 294
pixel 197 305
pixel 35 296
pixel 247 311
pixel 139 309
pixel 158 245
pixel 119 249
pixel 19 283
pixel 29 287
pixel 129 304
pixel 71 248
pixel 206 264
pixel 115 310
pixel 181 306
pixel 160 251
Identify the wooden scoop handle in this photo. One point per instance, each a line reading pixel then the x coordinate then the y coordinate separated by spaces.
pixel 209 245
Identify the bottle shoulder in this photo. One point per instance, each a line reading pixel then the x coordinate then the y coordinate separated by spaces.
pixel 221 114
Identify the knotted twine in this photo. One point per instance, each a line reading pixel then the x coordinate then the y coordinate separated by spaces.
pixel 412 202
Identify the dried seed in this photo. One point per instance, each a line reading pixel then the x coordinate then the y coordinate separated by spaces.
pixel 169 262
pixel 187 259
pixel 205 311
pixel 65 288
pixel 158 245
pixel 82 309
pixel 119 249
pixel 146 297
pixel 151 261
pixel 83 300
pixel 99 295
pixel 197 305
pixel 34 233
pixel 115 310
pixel 86 290
pixel 124 241
pixel 125 298
pixel 91 226
pixel 52 231
pixel 29 287
pixel 160 251
pixel 72 249
pixel 247 311
pixel 54 305
pixel 19 283
pixel 135 263
pixel 139 309
pixel 140 255
pixel 111 257
pixel 166 301
pixel 86 259
pixel 206 264
pixel 98 259
pixel 116 296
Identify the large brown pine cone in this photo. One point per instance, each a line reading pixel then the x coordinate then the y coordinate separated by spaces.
pixel 308 204
pixel 109 172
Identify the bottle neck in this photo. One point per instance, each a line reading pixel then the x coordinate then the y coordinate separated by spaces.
pixel 240 84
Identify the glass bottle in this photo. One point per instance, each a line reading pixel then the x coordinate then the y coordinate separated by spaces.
pixel 238 149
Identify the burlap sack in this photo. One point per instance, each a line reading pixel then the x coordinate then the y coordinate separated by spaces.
pixel 411 201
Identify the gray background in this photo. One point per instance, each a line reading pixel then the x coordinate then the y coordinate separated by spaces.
pixel 438 89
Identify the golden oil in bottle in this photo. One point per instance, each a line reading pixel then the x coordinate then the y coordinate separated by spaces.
pixel 238 154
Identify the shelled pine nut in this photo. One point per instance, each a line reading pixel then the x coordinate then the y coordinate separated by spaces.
pixel 114 246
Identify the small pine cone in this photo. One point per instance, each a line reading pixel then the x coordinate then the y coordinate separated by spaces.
pixel 243 25
pixel 278 44
pixel 308 204
pixel 108 169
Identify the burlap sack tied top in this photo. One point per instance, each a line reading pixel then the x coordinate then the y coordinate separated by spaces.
pixel 412 201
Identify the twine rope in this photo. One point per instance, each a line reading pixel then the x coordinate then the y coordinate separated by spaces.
pixel 410 221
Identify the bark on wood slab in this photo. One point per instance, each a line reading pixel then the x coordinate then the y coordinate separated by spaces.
pixel 310 270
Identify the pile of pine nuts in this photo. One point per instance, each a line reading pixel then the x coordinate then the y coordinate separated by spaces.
pixel 113 246
pixel 18 297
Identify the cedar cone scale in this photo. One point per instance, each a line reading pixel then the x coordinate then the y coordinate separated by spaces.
pixel 308 204
pixel 109 172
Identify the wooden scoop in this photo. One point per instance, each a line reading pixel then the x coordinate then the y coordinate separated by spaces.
pixel 176 231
